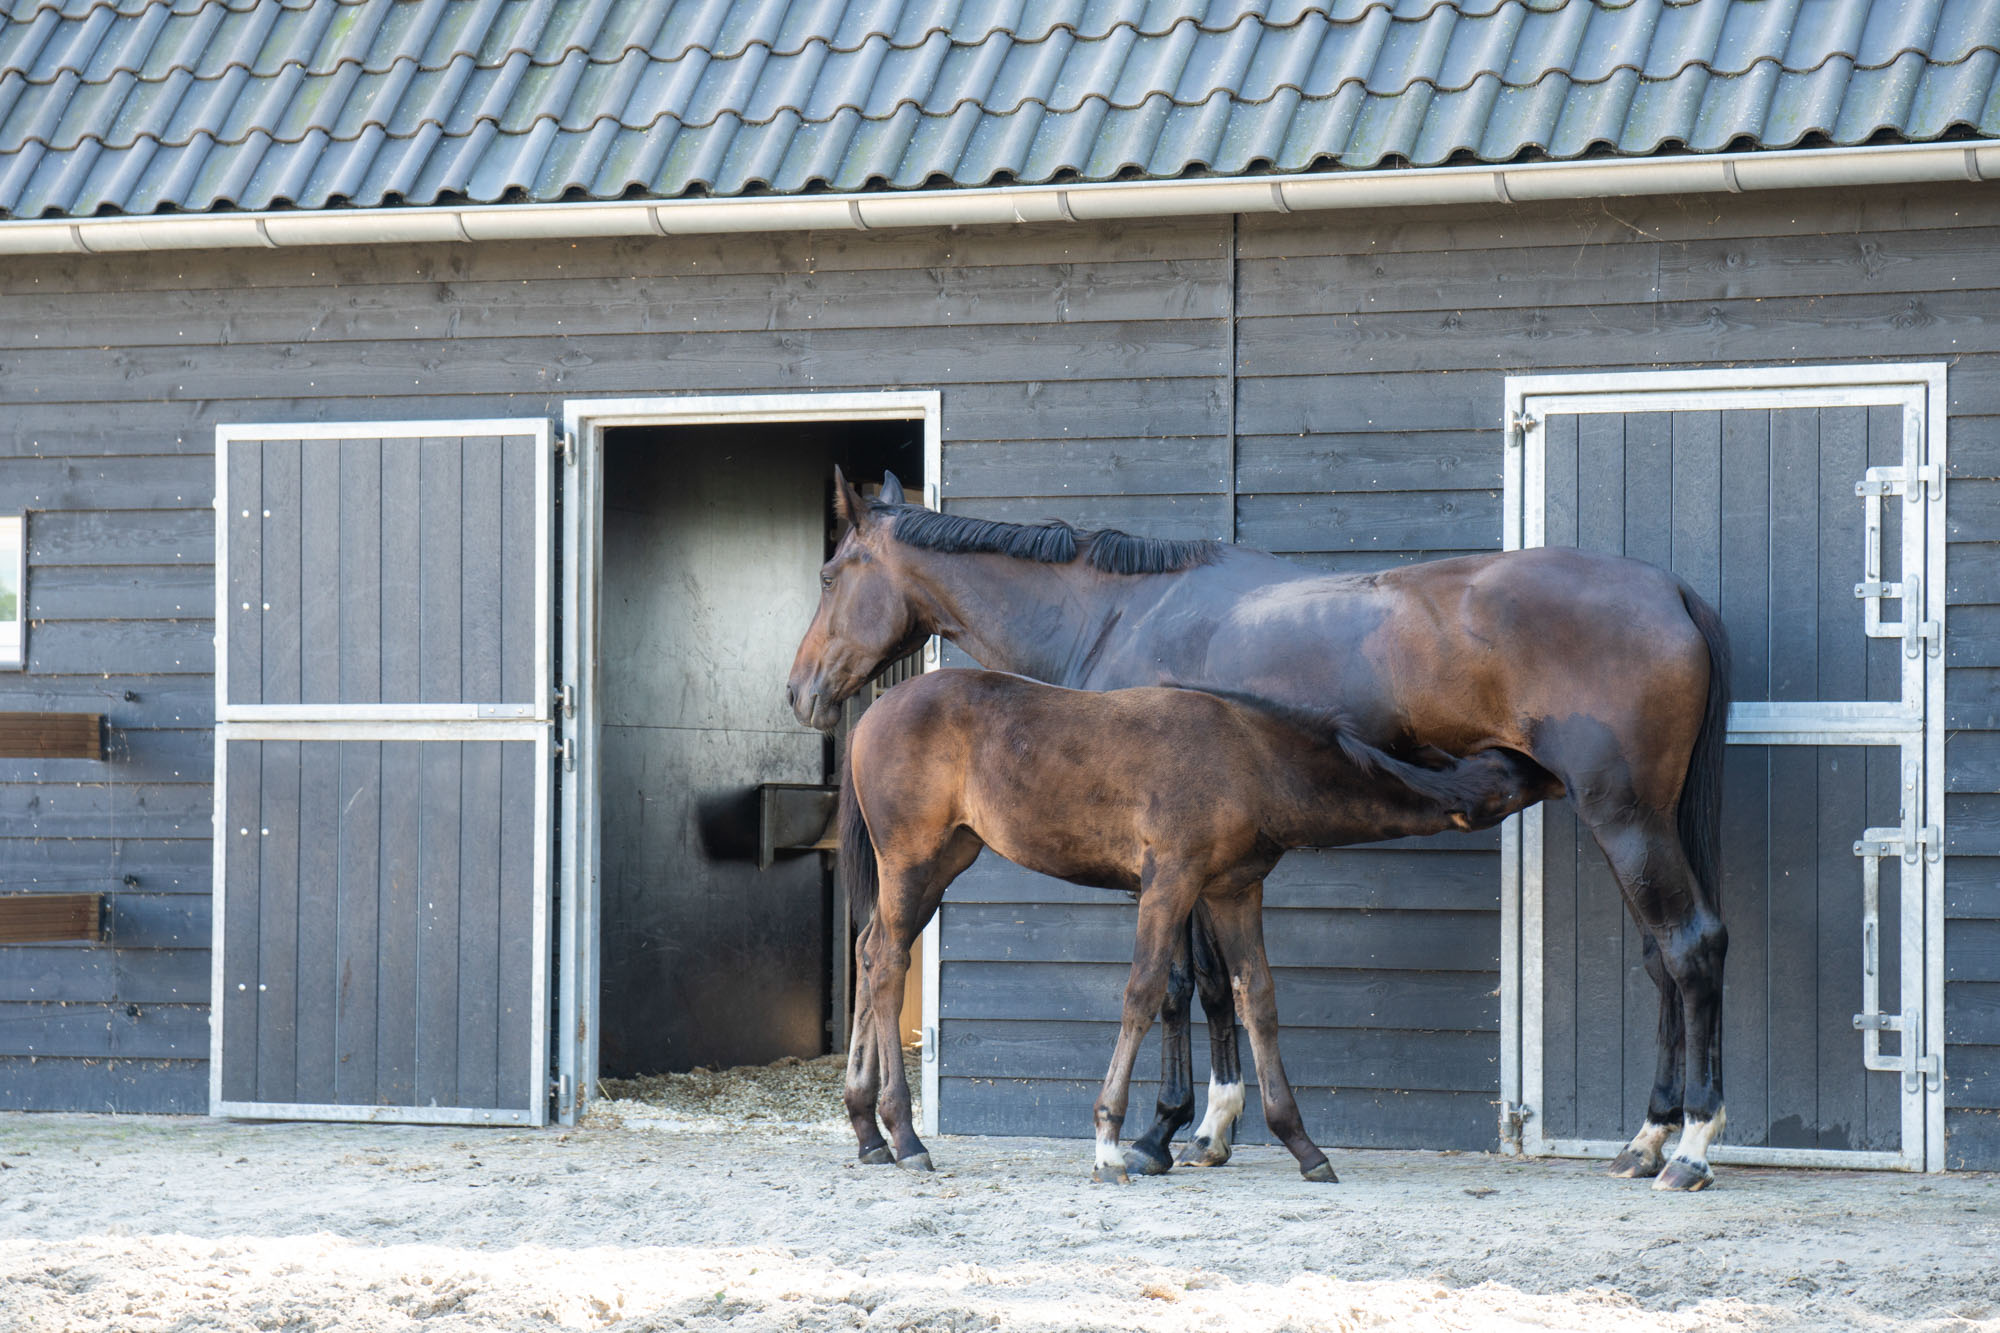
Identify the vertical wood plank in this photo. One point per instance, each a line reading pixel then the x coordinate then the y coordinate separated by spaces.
pixel 481 570
pixel 515 1057
pixel 281 572
pixel 1697 502
pixel 1843 457
pixel 319 571
pixel 1842 813
pixel 440 577
pixel 1794 613
pixel 319 925
pixel 1600 483
pixel 1560 439
pixel 1793 876
pixel 241 928
pixel 360 589
pixel 438 801
pixel 1649 488
pixel 356 1016
pixel 1745 909
pixel 246 571
pixel 278 925
pixel 400 922
pixel 478 937
pixel 517 569
pixel 401 636
pixel 1748 506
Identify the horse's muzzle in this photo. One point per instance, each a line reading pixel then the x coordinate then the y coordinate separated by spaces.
pixel 810 707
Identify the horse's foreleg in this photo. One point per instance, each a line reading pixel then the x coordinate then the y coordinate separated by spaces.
pixel 1211 1143
pixel 1239 930
pixel 1642 1157
pixel 1161 914
pixel 864 1073
pixel 1151 1154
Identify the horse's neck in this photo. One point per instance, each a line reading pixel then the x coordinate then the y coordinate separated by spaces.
pixel 1047 622
pixel 1316 803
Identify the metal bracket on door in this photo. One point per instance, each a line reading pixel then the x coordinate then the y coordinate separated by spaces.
pixel 1912 844
pixel 1916 632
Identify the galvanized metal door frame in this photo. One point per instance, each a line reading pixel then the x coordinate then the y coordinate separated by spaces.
pixel 1917 730
pixel 388 722
pixel 584 422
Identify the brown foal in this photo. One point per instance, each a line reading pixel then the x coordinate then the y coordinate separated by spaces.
pixel 1181 797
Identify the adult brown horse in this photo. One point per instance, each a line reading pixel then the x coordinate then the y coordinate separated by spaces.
pixel 1179 797
pixel 1610 673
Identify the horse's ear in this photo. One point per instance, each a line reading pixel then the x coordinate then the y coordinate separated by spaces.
pixel 892 490
pixel 848 505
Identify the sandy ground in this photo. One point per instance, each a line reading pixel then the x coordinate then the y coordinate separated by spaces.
pixel 709 1207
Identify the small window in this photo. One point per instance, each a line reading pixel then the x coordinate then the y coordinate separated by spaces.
pixel 13 599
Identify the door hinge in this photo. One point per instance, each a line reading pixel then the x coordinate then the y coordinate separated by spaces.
pixel 565 753
pixel 1514 1118
pixel 566 448
pixel 559 1096
pixel 565 700
pixel 930 1050
pixel 1523 422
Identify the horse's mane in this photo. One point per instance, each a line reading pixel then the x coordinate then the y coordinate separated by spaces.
pixel 1451 786
pixel 1055 543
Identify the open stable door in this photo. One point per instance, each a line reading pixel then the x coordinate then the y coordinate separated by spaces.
pixel 385 772
pixel 1806 504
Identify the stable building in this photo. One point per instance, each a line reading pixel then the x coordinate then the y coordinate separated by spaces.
pixel 416 431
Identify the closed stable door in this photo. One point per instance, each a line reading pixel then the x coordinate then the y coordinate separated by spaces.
pixel 1806 506
pixel 383 772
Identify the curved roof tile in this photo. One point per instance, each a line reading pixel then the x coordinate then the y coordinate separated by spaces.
pixel 131 106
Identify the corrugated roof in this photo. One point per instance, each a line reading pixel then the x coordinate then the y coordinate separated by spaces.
pixel 137 106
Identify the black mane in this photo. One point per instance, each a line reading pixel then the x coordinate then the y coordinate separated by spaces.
pixel 1056 543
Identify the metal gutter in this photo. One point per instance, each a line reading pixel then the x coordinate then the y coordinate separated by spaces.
pixel 1813 168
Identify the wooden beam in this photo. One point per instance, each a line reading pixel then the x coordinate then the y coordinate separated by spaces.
pixel 35 918
pixel 51 735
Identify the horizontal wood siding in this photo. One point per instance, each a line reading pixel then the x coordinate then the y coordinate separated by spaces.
pixel 1092 373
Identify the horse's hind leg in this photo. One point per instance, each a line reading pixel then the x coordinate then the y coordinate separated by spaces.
pixel 1642 1156
pixel 1669 904
pixel 1151 1154
pixel 1239 931
pixel 1211 1143
pixel 1165 900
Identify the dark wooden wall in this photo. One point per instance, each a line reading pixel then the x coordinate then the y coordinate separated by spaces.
pixel 1325 385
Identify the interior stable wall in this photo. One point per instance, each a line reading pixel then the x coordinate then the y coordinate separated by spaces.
pixel 1325 385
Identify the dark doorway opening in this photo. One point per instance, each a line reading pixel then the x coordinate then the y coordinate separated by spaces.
pixel 713 536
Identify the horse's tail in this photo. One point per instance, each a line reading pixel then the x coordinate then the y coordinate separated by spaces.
pixel 1698 819
pixel 859 875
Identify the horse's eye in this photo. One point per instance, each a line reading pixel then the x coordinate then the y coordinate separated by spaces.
pixel 826 583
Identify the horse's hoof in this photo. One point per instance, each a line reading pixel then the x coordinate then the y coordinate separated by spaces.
pixel 879 1155
pixel 1110 1175
pixel 1634 1165
pixel 1682 1174
pixel 1321 1174
pixel 916 1161
pixel 1204 1152
pixel 1143 1162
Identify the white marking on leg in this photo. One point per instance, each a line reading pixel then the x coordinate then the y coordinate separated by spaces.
pixel 1650 1137
pixel 1695 1139
pixel 1108 1154
pixel 1225 1105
